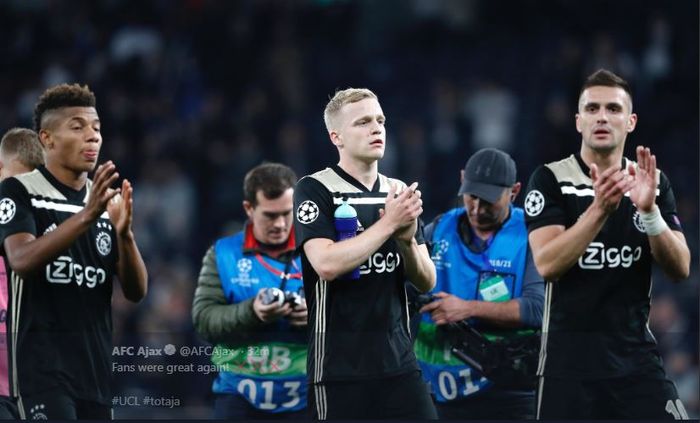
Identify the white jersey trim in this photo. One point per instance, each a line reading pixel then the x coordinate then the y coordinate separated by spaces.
pixel 362 200
pixel 320 329
pixel 68 208
pixel 549 287
pixel 588 192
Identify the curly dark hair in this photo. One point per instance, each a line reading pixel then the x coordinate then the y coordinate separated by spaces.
pixel 59 96
pixel 273 179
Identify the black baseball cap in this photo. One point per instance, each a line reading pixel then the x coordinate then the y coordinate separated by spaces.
pixel 487 173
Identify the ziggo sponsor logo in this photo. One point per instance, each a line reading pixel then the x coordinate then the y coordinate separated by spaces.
pixel 597 256
pixel 380 263
pixel 63 270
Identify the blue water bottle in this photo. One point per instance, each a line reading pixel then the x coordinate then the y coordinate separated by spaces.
pixel 345 218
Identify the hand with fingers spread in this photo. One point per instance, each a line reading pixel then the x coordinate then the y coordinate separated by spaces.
pixel 643 192
pixel 120 209
pixel 609 187
pixel 101 192
pixel 403 211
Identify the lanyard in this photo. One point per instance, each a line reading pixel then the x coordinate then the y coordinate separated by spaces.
pixel 284 275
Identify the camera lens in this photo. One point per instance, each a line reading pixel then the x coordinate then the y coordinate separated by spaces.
pixel 272 295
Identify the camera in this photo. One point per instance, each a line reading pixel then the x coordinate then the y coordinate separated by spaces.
pixel 276 295
pixel 294 299
pixel 510 362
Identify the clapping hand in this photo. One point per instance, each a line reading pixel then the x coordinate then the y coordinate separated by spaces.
pixel 403 210
pixel 120 209
pixel 609 187
pixel 100 192
pixel 643 192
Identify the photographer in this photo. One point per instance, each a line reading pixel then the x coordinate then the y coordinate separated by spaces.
pixel 486 276
pixel 249 303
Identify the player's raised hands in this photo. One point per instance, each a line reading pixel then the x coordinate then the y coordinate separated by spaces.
pixel 403 210
pixel 101 192
pixel 120 209
pixel 609 187
pixel 643 192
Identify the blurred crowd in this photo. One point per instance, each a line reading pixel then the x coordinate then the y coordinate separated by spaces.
pixel 193 93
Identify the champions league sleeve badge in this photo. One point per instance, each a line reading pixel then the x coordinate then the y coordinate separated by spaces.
pixel 534 203
pixel 7 210
pixel 307 212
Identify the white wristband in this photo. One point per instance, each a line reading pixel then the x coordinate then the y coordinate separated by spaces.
pixel 653 223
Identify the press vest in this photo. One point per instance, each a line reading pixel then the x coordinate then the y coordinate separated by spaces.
pixel 501 268
pixel 268 366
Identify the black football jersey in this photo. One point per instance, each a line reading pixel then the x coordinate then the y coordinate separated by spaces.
pixel 595 322
pixel 358 329
pixel 60 325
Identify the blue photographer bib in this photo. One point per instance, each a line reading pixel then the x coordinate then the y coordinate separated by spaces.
pixel 494 275
pixel 268 369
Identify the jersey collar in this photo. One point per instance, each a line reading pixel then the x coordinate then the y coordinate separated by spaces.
pixel 354 182
pixel 585 169
pixel 67 191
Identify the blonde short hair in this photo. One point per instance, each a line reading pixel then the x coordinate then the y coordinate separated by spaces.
pixel 25 144
pixel 340 99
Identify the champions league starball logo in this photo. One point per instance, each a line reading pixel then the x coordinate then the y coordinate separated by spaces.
pixel 440 249
pixel 534 203
pixel 244 265
pixel 307 212
pixel 7 210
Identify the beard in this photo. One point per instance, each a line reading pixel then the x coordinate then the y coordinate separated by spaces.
pixel 486 221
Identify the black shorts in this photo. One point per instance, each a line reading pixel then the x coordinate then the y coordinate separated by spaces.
pixel 491 404
pixel 235 407
pixel 635 397
pixel 57 404
pixel 400 397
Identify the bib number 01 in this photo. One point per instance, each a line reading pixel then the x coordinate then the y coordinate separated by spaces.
pixel 447 384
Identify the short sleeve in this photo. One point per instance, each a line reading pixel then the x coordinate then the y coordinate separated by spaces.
pixel 313 211
pixel 420 232
pixel 15 210
pixel 544 202
pixel 667 203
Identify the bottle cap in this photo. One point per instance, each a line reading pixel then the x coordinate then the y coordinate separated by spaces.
pixel 345 211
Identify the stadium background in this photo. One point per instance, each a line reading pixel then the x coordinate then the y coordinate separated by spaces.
pixel 192 93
